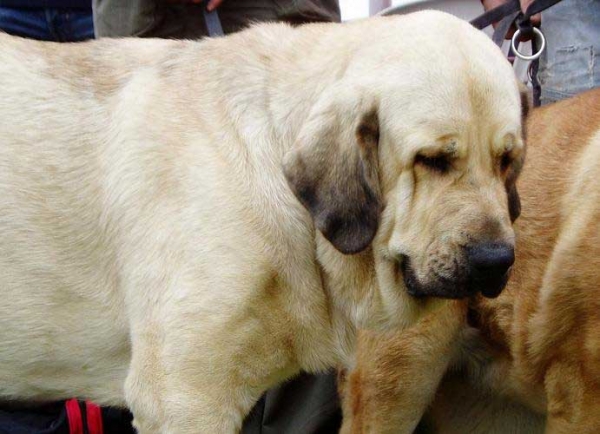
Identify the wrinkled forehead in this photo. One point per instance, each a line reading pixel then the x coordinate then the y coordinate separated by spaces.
pixel 437 76
pixel 448 101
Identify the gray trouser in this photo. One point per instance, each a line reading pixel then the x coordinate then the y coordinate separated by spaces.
pixel 571 62
pixel 308 404
pixel 157 18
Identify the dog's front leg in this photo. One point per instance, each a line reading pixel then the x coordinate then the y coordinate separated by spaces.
pixel 173 396
pixel 201 360
pixel 397 374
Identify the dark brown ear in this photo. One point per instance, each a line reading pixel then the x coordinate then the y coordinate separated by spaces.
pixel 333 169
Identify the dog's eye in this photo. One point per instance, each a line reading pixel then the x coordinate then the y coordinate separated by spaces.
pixel 439 164
pixel 505 161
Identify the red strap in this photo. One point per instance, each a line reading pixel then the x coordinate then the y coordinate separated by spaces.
pixel 74 416
pixel 94 418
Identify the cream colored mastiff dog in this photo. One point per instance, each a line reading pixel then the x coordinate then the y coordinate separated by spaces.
pixel 176 217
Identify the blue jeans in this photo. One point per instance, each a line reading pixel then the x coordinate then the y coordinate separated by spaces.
pixel 571 62
pixel 48 24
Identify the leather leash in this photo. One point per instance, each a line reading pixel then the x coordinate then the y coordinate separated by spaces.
pixel 509 8
pixel 510 13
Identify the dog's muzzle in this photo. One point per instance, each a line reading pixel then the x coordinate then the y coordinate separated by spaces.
pixel 486 270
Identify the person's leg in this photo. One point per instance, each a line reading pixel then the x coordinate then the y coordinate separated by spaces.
pixel 149 18
pixel 119 18
pixel 309 11
pixel 308 404
pixel 571 62
pixel 25 22
pixel 237 15
pixel 72 25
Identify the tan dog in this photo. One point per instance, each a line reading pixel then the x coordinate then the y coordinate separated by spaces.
pixel 534 362
pixel 155 250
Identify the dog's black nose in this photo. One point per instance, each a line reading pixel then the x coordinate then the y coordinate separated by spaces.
pixel 488 267
pixel 491 258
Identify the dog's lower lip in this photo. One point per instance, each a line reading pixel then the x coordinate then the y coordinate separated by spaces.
pixel 453 290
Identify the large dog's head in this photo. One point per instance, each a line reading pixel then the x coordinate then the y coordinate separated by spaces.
pixel 415 151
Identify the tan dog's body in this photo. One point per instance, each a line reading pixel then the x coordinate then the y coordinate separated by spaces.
pixel 153 254
pixel 534 364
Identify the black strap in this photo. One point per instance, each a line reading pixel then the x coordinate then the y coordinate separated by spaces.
pixel 533 75
pixel 213 23
pixel 497 14
pixel 503 27
pixel 510 7
pixel 538 6
pixel 508 14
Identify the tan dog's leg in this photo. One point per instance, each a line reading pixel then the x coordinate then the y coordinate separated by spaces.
pixel 397 374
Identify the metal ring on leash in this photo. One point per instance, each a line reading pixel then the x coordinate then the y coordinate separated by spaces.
pixel 538 34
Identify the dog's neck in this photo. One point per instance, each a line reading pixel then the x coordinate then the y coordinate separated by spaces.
pixel 349 282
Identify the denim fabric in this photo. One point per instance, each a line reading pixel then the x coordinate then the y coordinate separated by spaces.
pixel 48 24
pixel 571 62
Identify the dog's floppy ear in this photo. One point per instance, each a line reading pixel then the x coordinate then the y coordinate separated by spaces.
pixel 333 167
